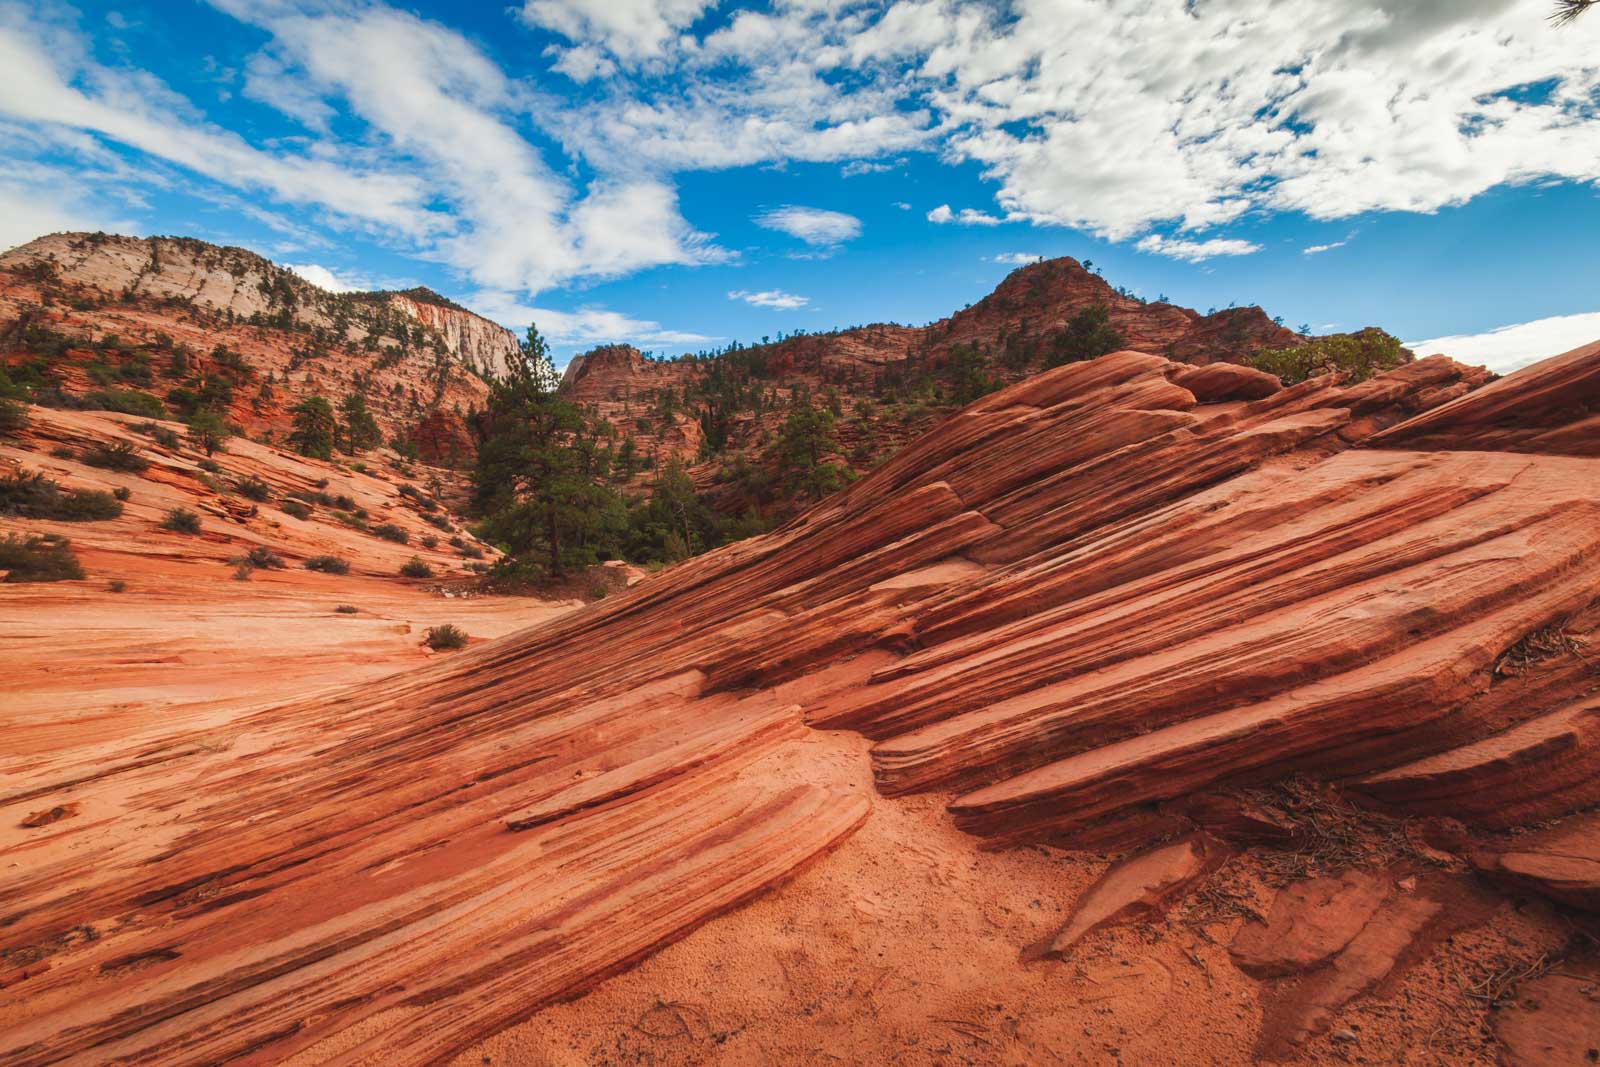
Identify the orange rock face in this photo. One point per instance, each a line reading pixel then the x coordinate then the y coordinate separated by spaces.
pixel 1068 607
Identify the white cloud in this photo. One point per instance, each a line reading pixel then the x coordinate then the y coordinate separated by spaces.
pixel 584 328
pixel 323 278
pixel 902 205
pixel 965 217
pixel 814 226
pixel 856 168
pixel 776 299
pixel 1016 259
pixel 629 28
pixel 1315 250
pixel 1509 347
pixel 1195 251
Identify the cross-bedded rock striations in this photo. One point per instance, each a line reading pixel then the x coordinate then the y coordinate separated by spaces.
pixel 1072 604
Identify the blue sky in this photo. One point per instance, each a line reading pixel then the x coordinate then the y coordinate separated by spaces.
pixel 680 173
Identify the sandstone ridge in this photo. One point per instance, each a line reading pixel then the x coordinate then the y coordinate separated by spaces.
pixel 1068 609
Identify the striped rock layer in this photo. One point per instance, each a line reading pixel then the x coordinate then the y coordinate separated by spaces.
pixel 1070 606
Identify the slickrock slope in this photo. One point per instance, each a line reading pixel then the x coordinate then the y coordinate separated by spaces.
pixel 1068 608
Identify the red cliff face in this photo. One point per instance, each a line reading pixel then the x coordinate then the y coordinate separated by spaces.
pixel 410 353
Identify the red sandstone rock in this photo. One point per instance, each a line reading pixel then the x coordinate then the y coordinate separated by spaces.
pixel 1562 861
pixel 1310 923
pixel 1134 888
pixel 1083 597
pixel 1553 1020
pixel 1227 381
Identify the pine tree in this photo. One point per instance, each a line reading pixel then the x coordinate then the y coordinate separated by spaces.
pixel 208 431
pixel 806 437
pixel 536 478
pixel 360 428
pixel 315 428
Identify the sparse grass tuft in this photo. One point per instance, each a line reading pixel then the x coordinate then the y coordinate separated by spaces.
pixel 446 637
pixel 390 532
pixel 254 488
pixel 121 456
pixel 181 520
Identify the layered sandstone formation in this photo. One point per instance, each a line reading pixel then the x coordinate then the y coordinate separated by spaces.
pixel 1088 611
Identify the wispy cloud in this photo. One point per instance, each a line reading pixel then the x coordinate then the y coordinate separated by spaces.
pixel 1195 251
pixel 1016 259
pixel 965 217
pixel 815 226
pixel 1315 250
pixel 776 299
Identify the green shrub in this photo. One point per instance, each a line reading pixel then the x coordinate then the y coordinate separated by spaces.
pixel 181 520
pixel 327 565
pixel 242 572
pixel 390 532
pixel 438 522
pixel 443 638
pixel 41 558
pixel 1355 356
pixel 430 541
pixel 210 466
pixel 416 568
pixel 121 456
pixel 122 493
pixel 164 436
pixel 254 488
pixel 63 452
pixel 298 508
pixel 13 416
pixel 263 558
pixel 128 402
pixel 33 496
pixel 117 585
pixel 470 550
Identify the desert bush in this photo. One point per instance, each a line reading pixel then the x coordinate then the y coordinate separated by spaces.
pixel 447 636
pixel 38 558
pixel 117 585
pixel 298 508
pixel 390 532
pixel 253 488
pixel 347 609
pixel 327 565
pixel 430 541
pixel 242 572
pixel 210 466
pixel 416 568
pixel 438 522
pixel 122 493
pixel 63 452
pixel 13 416
pixel 181 520
pixel 128 402
pixel 263 558
pixel 33 496
pixel 164 436
pixel 121 456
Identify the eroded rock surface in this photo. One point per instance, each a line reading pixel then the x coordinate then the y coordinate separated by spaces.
pixel 1073 604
